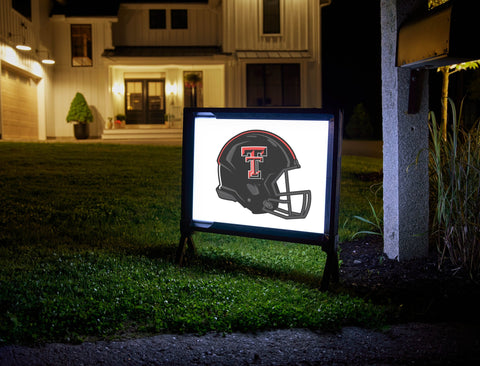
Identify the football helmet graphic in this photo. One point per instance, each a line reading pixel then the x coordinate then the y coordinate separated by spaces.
pixel 250 166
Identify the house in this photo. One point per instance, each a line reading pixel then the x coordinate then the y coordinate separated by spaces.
pixel 147 60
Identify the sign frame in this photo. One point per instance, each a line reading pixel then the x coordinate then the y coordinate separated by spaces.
pixel 326 238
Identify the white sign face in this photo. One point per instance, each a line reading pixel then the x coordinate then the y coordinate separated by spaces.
pixel 262 173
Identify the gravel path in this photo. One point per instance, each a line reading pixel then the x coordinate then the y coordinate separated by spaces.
pixel 406 344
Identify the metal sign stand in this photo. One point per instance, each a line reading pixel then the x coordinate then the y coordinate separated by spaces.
pixel 331 272
pixel 330 247
pixel 186 246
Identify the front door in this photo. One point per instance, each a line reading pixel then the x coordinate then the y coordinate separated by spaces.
pixel 145 101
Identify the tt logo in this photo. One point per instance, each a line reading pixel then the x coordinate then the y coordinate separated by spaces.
pixel 254 156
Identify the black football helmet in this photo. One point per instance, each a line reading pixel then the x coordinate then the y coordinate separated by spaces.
pixel 249 167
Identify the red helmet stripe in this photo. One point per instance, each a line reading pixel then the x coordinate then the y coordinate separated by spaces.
pixel 259 131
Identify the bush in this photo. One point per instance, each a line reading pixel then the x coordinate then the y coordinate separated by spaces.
pixel 79 110
pixel 359 125
pixel 455 180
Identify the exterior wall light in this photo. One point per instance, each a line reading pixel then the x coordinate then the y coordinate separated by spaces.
pixel 21 45
pixel 172 89
pixel 47 60
pixel 118 88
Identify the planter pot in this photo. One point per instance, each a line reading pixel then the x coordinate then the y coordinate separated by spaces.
pixel 81 131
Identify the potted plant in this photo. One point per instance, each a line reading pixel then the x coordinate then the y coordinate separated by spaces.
pixel 81 115
pixel 120 120
pixel 192 81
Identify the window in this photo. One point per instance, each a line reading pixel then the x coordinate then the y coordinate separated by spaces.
pixel 24 7
pixel 158 19
pixel 271 16
pixel 81 44
pixel 179 18
pixel 273 85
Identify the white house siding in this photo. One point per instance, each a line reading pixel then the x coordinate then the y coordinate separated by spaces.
pixel 11 22
pixel 133 27
pixel 91 81
pixel 299 42
pixel 233 25
pixel 36 32
pixel 242 26
pixel 214 87
pixel 204 29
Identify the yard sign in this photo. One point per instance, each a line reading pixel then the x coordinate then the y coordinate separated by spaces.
pixel 264 173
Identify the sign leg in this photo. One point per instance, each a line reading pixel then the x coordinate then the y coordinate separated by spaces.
pixel 331 271
pixel 185 247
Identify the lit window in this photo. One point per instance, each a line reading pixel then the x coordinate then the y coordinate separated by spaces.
pixel 81 45
pixel 24 7
pixel 158 19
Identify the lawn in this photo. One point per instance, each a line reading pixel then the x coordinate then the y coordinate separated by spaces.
pixel 88 234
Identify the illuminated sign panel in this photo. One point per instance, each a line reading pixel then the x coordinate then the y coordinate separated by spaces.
pixel 267 173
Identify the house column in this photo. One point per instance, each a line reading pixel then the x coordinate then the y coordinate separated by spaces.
pixel 405 136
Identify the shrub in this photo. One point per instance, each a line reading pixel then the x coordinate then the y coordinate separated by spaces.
pixel 455 180
pixel 359 125
pixel 79 110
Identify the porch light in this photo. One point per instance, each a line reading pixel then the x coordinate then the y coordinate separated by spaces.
pixel 118 88
pixel 439 38
pixel 172 89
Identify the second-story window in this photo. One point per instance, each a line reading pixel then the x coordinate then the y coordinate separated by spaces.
pixel 24 7
pixel 271 17
pixel 158 19
pixel 81 44
pixel 179 18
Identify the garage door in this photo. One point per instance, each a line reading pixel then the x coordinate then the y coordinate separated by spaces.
pixel 19 105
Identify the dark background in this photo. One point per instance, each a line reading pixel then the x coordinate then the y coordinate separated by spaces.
pixel 351 58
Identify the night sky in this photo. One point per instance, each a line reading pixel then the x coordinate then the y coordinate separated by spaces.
pixel 351 58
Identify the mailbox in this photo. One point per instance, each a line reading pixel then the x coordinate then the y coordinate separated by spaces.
pixel 447 35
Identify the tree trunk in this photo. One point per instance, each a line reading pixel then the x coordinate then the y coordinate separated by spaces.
pixel 444 115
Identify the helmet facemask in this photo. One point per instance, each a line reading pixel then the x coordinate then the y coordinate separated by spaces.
pixel 287 204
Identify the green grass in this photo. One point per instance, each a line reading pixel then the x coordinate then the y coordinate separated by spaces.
pixel 88 234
